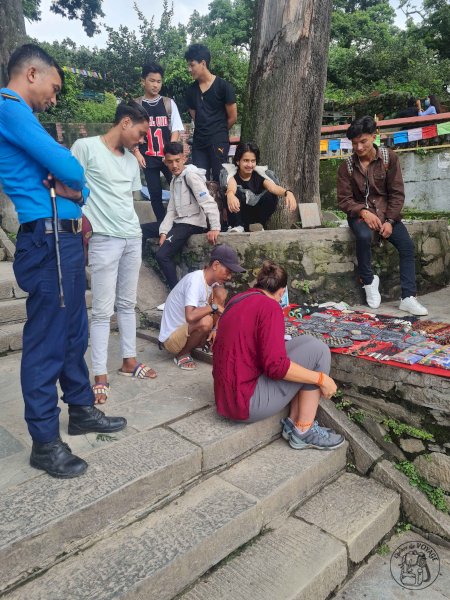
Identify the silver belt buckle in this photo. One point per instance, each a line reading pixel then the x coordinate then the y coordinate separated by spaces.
pixel 76 225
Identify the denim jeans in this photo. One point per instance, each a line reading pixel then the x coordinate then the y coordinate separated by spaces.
pixel 402 242
pixel 115 264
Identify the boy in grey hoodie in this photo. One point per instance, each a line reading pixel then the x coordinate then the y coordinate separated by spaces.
pixel 190 209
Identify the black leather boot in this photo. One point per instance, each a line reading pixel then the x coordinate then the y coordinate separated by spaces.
pixel 89 419
pixel 57 459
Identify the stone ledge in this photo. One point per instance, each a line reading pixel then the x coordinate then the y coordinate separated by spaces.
pixel 416 507
pixel 355 510
pixel 321 263
pixel 365 451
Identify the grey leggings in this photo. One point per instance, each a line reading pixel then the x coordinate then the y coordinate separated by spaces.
pixel 272 395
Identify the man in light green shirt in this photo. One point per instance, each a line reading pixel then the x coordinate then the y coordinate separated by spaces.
pixel 112 174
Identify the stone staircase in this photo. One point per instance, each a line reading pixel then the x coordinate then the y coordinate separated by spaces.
pixel 159 507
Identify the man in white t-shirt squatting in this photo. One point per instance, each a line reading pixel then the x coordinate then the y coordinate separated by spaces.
pixel 115 254
pixel 193 304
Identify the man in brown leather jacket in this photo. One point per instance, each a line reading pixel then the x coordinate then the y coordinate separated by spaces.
pixel 370 190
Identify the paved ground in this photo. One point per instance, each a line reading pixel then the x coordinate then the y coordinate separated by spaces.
pixel 144 403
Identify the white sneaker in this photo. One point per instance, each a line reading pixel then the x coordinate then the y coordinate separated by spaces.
pixel 413 306
pixel 237 229
pixel 161 306
pixel 372 294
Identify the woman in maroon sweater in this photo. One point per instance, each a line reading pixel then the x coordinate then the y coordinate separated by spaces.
pixel 256 374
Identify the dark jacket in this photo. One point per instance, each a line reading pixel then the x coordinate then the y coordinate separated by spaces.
pixel 386 189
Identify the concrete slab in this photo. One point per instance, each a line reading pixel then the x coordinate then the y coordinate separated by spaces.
pixel 378 579
pixel 355 510
pixel 222 440
pixel 9 445
pixel 281 477
pixel 415 505
pixel 7 245
pixel 11 337
pixel 159 556
pixel 295 562
pixel 151 291
pixel 44 518
pixel 365 451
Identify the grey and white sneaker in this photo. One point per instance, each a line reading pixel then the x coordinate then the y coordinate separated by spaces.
pixel 413 307
pixel 316 437
pixel 288 426
pixel 237 229
pixel 372 294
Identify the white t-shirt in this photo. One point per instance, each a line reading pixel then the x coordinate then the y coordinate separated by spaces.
pixel 112 179
pixel 192 290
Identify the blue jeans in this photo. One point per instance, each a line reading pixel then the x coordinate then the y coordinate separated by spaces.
pixel 54 339
pixel 402 242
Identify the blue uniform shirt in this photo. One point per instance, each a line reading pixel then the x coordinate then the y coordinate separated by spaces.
pixel 27 155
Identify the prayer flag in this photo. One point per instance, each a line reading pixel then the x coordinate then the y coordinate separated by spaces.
pixel 429 132
pixel 414 134
pixel 324 145
pixel 443 128
pixel 334 145
pixel 378 140
pixel 400 137
pixel 346 144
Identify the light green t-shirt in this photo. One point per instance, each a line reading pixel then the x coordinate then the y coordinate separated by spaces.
pixel 111 180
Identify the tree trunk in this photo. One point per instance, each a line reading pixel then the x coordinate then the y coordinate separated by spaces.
pixel 12 33
pixel 288 66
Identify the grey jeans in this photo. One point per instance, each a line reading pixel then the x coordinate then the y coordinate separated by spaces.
pixel 115 264
pixel 272 395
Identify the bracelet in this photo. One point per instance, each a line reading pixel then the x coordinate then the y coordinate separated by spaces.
pixel 320 380
pixel 286 192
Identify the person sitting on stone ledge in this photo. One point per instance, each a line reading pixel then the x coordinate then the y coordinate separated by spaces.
pixel 257 374
pixel 370 190
pixel 190 206
pixel 193 307
pixel 251 191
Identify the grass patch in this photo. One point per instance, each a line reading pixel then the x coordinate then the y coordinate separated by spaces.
pixel 434 494
pixel 399 429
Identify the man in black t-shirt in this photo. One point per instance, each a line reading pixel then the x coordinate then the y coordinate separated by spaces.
pixel 212 104
pixel 164 126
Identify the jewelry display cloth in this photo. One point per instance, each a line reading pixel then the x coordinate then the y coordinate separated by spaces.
pixel 405 342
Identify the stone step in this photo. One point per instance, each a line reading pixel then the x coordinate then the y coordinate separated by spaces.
pixel 159 556
pixel 307 558
pixel 8 284
pixel 10 337
pixel 47 518
pixel 12 311
pixel 295 562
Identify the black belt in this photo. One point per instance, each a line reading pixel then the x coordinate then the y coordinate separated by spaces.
pixel 64 226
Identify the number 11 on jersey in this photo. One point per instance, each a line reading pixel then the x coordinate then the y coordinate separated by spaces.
pixel 159 138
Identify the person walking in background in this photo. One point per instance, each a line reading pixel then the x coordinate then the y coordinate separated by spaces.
pixel 212 105
pixel 164 125
pixel 55 336
pixel 115 246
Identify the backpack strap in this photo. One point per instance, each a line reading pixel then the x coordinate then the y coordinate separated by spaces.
pixel 349 163
pixel 235 300
pixel 168 107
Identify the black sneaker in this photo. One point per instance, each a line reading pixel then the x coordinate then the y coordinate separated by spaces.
pixel 89 419
pixel 57 460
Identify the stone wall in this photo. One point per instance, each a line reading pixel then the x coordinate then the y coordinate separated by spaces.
pixel 426 175
pixel 321 263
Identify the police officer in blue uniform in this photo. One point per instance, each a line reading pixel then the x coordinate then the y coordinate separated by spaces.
pixel 55 337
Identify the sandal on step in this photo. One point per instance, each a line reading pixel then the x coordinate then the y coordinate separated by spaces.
pixel 141 371
pixel 184 361
pixel 100 389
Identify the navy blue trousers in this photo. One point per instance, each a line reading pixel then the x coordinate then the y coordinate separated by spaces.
pixel 54 339
pixel 400 239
